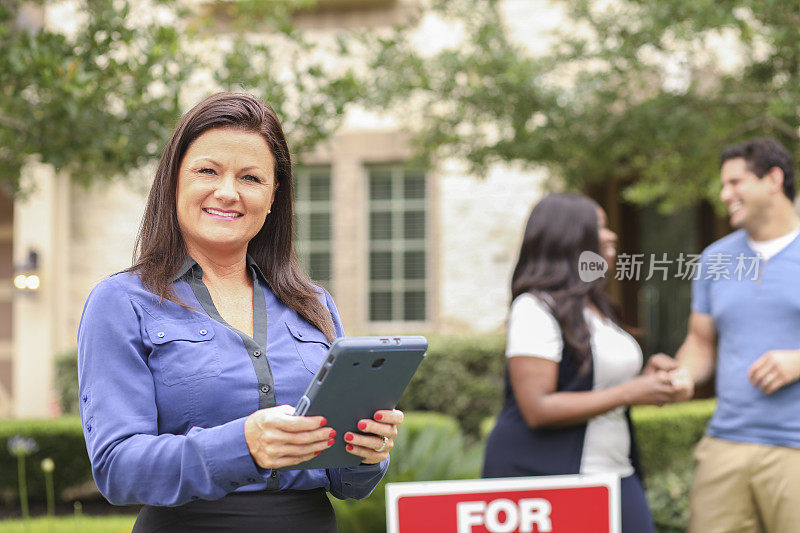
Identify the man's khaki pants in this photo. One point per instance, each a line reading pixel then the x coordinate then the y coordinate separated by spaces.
pixel 745 488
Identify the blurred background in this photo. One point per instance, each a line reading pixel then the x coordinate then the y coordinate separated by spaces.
pixel 423 132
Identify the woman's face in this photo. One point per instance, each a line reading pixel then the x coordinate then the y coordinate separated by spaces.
pixel 226 185
pixel 607 238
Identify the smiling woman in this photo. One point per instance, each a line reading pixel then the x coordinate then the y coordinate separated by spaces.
pixel 185 400
pixel 226 186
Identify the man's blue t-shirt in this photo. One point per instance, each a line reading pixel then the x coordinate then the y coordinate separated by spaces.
pixel 755 305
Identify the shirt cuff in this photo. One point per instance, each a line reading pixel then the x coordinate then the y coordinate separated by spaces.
pixel 357 482
pixel 228 458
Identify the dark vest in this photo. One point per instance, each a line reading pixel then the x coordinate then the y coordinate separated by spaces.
pixel 515 449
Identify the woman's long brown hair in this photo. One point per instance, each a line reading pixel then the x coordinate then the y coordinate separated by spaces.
pixel 160 250
pixel 560 227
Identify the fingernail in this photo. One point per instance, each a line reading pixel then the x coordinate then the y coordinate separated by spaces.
pixel 348 436
pixel 317 453
pixel 331 441
pixel 362 425
pixel 333 433
pixel 324 421
pixel 349 447
pixel 378 416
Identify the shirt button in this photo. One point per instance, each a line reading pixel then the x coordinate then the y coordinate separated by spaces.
pixel 265 388
pixel 160 334
pixel 85 398
pixel 257 353
pixel 274 474
pixel 299 333
pixel 203 332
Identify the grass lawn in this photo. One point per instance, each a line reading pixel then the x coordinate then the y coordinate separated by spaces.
pixel 70 524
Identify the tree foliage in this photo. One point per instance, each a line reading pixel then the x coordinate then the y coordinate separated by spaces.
pixel 99 99
pixel 642 92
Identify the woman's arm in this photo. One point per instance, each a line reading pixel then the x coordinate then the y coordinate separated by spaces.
pixel 534 379
pixel 131 462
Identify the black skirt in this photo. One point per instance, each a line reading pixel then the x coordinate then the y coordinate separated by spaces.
pixel 262 511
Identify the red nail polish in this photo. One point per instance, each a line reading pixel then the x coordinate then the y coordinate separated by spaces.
pixel 331 441
pixel 317 453
pixel 333 433
pixel 324 421
pixel 362 425
pixel 378 416
pixel 348 436
pixel 349 447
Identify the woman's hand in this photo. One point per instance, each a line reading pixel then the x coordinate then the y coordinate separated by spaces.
pixel 653 388
pixel 277 438
pixel 381 430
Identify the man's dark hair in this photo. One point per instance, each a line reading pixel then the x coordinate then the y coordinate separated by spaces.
pixel 761 154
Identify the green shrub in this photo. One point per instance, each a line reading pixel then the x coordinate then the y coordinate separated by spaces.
pixel 667 437
pixel 668 495
pixel 66 381
pixel 462 377
pixel 60 439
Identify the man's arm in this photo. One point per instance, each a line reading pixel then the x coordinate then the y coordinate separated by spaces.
pixel 698 353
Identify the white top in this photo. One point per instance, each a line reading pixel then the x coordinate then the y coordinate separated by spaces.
pixel 767 249
pixel 534 332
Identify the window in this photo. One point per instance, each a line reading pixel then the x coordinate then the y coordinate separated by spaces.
pixel 313 225
pixel 397 256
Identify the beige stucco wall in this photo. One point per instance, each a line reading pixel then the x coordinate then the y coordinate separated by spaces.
pixel 103 226
pixel 481 225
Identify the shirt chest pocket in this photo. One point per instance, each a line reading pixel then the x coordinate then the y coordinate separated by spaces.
pixel 311 345
pixel 184 351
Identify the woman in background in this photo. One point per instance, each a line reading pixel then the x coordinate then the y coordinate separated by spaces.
pixel 572 371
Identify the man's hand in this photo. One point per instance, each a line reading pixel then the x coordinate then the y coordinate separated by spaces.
pixel 775 369
pixel 660 362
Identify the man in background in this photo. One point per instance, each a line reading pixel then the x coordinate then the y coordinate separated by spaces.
pixel 745 330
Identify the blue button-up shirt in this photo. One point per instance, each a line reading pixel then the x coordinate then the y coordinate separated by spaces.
pixel 165 391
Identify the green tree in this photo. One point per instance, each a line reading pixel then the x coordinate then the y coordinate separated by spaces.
pixel 100 99
pixel 641 92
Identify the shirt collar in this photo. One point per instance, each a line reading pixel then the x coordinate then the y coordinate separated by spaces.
pixel 255 268
pixel 190 266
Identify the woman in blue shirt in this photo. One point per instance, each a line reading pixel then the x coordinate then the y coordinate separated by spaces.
pixel 190 360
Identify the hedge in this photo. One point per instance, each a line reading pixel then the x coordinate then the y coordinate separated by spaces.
pixel 461 377
pixel 666 434
pixel 59 439
pixel 666 437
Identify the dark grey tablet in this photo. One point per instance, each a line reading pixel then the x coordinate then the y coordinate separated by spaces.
pixel 360 376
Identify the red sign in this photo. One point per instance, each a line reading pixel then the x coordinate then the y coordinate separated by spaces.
pixel 556 504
